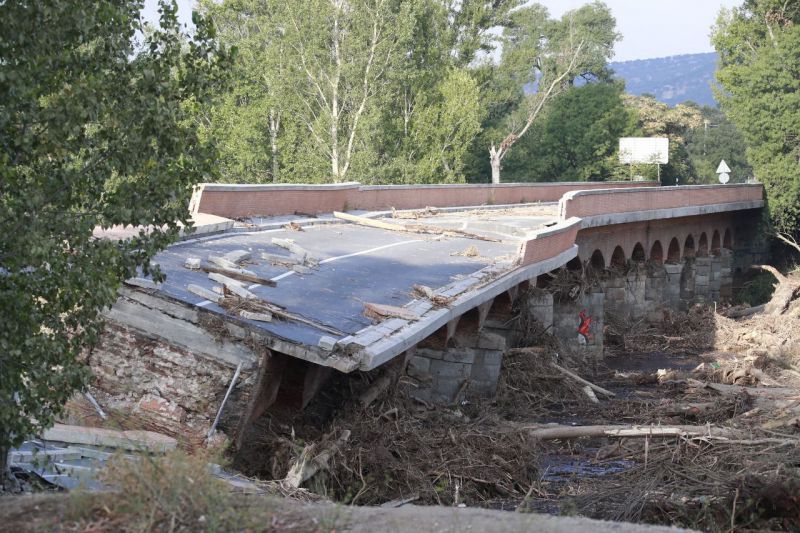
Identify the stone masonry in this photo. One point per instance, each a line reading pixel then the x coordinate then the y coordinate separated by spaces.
pixel 468 366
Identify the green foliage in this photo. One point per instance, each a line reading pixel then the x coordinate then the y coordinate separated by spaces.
pixel 93 132
pixel 541 58
pixel 759 73
pixel 379 91
pixel 576 140
pixel 656 119
pixel 717 139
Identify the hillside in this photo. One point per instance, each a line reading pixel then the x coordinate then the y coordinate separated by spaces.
pixel 671 80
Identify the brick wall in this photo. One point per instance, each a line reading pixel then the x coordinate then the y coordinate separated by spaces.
pixel 239 201
pixel 157 385
pixel 600 202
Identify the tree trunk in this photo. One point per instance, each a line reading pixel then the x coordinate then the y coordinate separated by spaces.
pixel 8 483
pixel 274 124
pixel 495 160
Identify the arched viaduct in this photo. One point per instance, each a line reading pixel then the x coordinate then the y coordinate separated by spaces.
pixel 626 251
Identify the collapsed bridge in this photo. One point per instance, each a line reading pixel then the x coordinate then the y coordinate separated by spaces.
pixel 425 279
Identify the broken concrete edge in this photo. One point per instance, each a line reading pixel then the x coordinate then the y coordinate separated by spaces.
pixel 419 307
pixel 132 440
pixel 677 212
pixel 390 347
pixel 170 307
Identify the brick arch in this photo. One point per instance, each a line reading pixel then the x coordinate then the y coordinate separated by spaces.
pixel 657 252
pixel 727 240
pixel 674 251
pixel 597 261
pixel 689 246
pixel 638 254
pixel 702 245
pixel 618 258
pixel 715 243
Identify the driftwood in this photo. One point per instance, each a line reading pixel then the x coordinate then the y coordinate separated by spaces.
pixel 306 467
pixel 376 388
pixel 381 311
pixel 400 502
pixel 587 390
pixel 739 313
pixel 785 292
pixel 582 381
pixel 258 305
pixel 237 274
pixel 688 408
pixel 411 228
pixel 556 431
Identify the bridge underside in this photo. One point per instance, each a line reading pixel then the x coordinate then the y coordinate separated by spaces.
pixel 168 354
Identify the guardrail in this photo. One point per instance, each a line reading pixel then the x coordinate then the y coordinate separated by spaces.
pixel 241 201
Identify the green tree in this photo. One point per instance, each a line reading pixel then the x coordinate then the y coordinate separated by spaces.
pixel 657 119
pixel 94 132
pixel 759 61
pixel 718 138
pixel 545 56
pixel 576 139
pixel 432 104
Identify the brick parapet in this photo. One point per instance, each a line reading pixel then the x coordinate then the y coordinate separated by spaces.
pixel 241 200
pixel 600 202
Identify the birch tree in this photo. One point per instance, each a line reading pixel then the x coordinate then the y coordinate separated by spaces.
pixel 340 51
pixel 250 115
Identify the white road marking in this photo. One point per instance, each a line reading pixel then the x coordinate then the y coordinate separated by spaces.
pixel 331 259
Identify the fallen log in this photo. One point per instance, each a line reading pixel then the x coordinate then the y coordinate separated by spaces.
pixel 305 468
pixel 376 388
pixel 739 313
pixel 587 390
pixel 237 274
pixel 582 381
pixel 756 392
pixel 556 431
pixel 785 292
pixel 688 408
pixel 411 228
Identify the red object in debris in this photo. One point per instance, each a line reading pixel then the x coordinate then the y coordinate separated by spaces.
pixel 583 328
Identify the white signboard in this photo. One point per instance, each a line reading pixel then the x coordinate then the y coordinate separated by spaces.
pixel 652 150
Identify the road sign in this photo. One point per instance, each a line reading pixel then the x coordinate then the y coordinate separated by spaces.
pixel 723 171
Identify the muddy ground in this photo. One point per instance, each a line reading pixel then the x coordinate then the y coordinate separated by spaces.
pixel 699 369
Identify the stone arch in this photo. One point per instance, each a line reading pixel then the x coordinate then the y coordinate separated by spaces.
pixel 618 258
pixel 715 243
pixel 657 252
pixel 502 304
pixel 688 246
pixel 638 254
pixel 702 245
pixel 597 261
pixel 674 251
pixel 727 241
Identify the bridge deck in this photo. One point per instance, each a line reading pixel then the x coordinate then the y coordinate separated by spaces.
pixel 358 264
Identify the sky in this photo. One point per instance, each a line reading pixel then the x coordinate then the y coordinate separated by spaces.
pixel 649 28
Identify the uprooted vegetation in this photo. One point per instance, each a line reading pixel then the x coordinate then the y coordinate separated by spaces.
pixel 702 431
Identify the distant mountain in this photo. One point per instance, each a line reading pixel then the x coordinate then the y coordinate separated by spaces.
pixel 671 80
